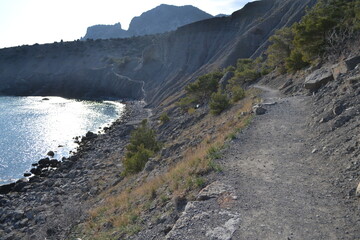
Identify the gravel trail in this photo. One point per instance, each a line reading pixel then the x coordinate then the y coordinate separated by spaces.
pixel 273 186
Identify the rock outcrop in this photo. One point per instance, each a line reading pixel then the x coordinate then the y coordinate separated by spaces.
pixel 165 18
pixel 318 78
pixel 106 32
pixel 161 19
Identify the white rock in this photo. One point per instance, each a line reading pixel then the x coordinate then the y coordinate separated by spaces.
pixel 357 193
pixel 224 232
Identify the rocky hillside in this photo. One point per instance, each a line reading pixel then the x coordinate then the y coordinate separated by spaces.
pixel 163 18
pixel 161 65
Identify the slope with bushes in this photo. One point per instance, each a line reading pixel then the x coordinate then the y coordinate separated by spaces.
pixel 322 32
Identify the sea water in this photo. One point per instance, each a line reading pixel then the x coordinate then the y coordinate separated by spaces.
pixel 30 127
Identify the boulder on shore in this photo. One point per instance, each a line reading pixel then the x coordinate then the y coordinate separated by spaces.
pixel 5 189
pixel 51 154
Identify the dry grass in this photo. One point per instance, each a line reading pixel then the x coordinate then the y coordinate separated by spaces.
pixel 120 213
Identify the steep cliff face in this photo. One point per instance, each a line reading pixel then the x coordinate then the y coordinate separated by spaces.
pixel 161 65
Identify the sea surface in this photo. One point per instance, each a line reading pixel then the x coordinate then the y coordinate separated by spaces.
pixel 32 126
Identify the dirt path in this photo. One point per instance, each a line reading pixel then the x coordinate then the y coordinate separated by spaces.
pixel 272 186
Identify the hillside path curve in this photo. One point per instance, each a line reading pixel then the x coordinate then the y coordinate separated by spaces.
pixel 272 186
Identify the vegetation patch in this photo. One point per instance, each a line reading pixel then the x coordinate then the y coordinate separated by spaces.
pixel 164 118
pixel 219 102
pixel 143 145
pixel 323 30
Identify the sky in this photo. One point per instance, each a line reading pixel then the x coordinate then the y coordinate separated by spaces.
pixel 46 21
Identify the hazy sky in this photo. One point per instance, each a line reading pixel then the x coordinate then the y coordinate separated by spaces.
pixel 46 21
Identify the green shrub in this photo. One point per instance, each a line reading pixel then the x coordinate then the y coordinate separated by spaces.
pixel 295 62
pixel 246 71
pixel 218 103
pixel 186 103
pixel 164 118
pixel 280 48
pixel 248 75
pixel 143 145
pixel 237 93
pixel 306 42
pixel 310 32
pixel 135 161
pixel 204 86
pixel 143 135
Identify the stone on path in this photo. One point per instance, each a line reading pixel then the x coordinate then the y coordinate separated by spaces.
pixel 259 110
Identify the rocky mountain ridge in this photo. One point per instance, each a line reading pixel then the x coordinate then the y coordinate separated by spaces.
pixel 163 18
pixel 103 31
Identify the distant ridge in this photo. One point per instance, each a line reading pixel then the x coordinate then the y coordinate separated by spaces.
pixel 163 18
pixel 105 32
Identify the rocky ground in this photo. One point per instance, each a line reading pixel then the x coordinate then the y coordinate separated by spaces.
pixel 275 184
pixel 291 175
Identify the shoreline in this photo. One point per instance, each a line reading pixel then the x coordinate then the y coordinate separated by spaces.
pixel 71 147
pixel 62 196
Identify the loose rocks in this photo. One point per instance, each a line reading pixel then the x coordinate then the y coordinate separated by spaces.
pixel 259 110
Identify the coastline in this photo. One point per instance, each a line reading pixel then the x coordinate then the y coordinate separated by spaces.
pixel 60 197
pixel 34 126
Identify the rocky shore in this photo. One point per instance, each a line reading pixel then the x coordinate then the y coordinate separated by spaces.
pixel 53 200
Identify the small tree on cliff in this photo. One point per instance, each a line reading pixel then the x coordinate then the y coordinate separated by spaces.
pixel 143 145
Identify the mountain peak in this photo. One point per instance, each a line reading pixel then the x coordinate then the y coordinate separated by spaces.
pixel 163 18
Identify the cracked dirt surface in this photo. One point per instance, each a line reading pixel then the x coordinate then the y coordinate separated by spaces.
pixel 278 187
